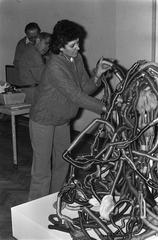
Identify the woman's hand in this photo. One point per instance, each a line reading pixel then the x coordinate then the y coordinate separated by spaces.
pixel 101 67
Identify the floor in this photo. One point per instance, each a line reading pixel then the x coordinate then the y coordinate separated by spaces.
pixel 14 182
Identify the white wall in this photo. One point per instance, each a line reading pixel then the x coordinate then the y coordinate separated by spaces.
pixel 97 16
pixel 120 29
pixel 156 32
pixel 133 31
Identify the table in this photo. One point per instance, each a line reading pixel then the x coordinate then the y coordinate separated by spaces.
pixel 14 110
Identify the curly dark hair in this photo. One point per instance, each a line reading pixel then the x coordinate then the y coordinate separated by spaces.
pixel 65 31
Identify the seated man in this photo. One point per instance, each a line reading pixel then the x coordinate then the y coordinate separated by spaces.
pixel 31 65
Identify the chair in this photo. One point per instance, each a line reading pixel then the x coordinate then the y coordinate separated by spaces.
pixel 11 74
pixel 11 78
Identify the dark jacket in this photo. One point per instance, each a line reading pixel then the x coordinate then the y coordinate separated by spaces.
pixel 63 89
pixel 30 66
pixel 20 48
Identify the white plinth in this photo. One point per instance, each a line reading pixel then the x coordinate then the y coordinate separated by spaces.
pixel 30 220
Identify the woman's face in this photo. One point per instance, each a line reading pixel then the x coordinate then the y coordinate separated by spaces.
pixel 71 48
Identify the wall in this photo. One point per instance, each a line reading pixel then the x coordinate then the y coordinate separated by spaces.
pixel 97 16
pixel 133 31
pixel 156 32
pixel 120 29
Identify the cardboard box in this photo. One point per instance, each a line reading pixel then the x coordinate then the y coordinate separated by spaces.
pixel 12 98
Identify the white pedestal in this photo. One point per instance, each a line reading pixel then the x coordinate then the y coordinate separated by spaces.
pixel 30 220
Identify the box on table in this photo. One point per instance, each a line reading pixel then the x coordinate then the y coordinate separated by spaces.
pixel 12 98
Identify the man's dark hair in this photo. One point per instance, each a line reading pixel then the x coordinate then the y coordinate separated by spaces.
pixel 65 31
pixel 32 26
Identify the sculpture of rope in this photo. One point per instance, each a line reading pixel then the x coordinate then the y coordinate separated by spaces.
pixel 114 187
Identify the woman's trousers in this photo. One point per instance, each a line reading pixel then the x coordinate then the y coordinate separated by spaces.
pixel 49 169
